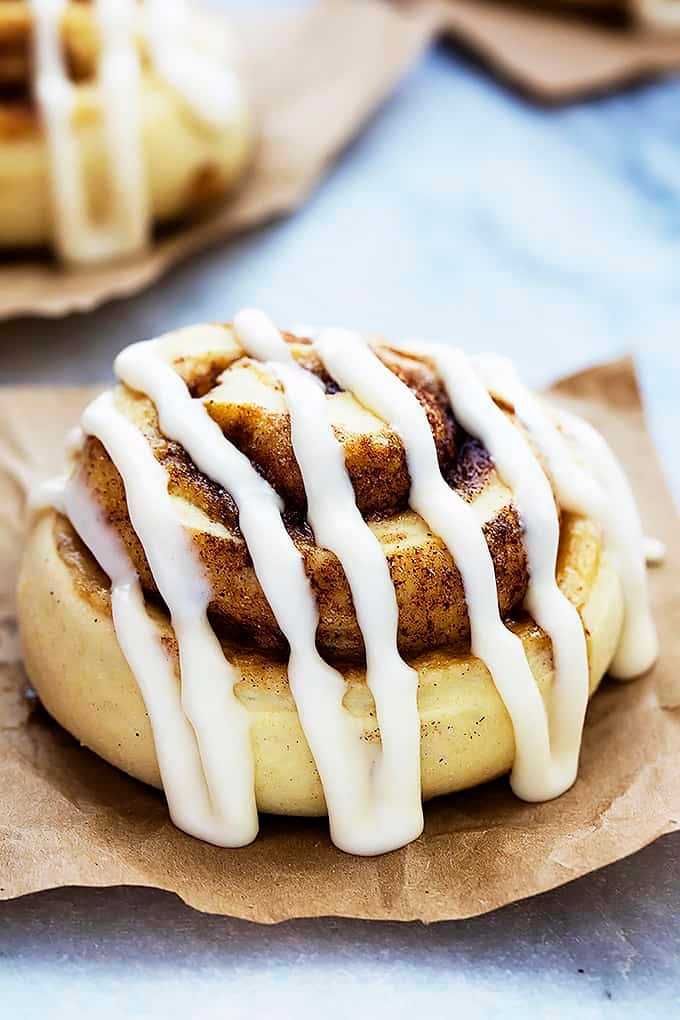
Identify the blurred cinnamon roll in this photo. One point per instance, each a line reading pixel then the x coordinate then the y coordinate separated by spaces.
pixel 115 115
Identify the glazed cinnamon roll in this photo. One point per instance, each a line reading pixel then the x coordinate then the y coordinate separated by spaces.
pixel 114 115
pixel 329 575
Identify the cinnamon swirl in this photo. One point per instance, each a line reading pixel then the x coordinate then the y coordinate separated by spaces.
pixel 114 115
pixel 329 576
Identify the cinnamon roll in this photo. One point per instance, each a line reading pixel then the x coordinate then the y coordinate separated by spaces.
pixel 329 576
pixel 115 115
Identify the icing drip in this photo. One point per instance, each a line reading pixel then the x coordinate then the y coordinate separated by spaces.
pixel 54 95
pixel 535 775
pixel 589 481
pixel 345 762
pixel 179 761
pixel 211 91
pixel 120 96
pixel 220 807
pixel 209 88
pixel 338 525
pixel 76 236
pixel 201 731
pixel 520 470
pixel 638 648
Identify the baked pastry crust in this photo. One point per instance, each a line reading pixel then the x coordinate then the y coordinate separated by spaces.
pixel 74 661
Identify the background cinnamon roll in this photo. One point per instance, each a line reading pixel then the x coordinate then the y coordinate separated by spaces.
pixel 329 576
pixel 115 115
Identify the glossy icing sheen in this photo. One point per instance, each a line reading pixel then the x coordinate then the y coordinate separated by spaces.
pixel 209 89
pixel 372 792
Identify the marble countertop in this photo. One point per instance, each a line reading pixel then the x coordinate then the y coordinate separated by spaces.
pixel 463 214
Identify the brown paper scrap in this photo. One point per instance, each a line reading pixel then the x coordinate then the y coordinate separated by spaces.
pixel 553 55
pixel 67 818
pixel 315 78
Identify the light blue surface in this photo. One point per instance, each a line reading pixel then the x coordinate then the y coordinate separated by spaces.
pixel 465 214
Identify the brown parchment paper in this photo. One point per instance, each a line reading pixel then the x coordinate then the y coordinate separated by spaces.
pixel 67 818
pixel 554 52
pixel 315 77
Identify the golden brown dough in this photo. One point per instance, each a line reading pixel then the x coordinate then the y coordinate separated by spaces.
pixel 74 661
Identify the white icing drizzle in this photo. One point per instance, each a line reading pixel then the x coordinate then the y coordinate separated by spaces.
pixel 359 822
pixel 76 236
pixel 517 465
pixel 589 481
pixel 49 492
pixel 221 808
pixel 211 91
pixel 209 87
pixel 372 791
pixel 638 648
pixel 536 775
pixel 120 84
pixel 178 757
pixel 337 524
pixel 55 97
